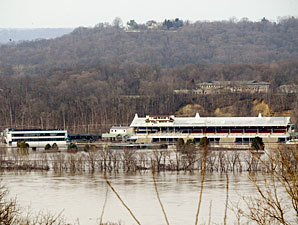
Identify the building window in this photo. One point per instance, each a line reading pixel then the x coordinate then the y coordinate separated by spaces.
pixel 281 140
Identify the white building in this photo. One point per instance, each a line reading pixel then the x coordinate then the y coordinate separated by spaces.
pixel 118 133
pixel 217 87
pixel 121 130
pixel 34 137
pixel 218 130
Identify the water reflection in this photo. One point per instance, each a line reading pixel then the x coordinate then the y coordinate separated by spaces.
pixel 81 195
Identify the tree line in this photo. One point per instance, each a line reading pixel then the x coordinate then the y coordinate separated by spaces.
pixel 97 77
pixel 175 43
pixel 91 99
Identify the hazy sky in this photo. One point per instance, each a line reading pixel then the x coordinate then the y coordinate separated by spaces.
pixel 74 13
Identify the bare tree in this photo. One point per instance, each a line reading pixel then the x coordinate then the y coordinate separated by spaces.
pixel 117 22
pixel 277 192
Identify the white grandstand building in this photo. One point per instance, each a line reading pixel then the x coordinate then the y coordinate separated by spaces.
pixel 218 130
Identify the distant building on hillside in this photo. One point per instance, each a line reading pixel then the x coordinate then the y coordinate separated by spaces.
pixel 183 91
pixel 216 87
pixel 219 87
pixel 293 88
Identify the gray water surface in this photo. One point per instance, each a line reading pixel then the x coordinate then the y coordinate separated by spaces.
pixel 81 196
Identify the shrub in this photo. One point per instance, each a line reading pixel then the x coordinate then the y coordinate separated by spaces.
pixel 72 147
pixel 55 146
pixel 180 144
pixel 87 147
pixel 22 144
pixel 257 143
pixel 47 147
pixel 23 147
pixel 8 208
pixel 204 141
pixel 190 142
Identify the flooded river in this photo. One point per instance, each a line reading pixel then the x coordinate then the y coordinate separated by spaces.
pixel 81 196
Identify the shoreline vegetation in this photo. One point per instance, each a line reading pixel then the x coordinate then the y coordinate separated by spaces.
pixel 278 169
pixel 187 158
pixel 182 157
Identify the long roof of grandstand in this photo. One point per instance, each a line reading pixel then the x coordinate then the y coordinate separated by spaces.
pixel 215 122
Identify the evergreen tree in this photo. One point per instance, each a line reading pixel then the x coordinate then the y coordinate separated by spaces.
pixel 257 143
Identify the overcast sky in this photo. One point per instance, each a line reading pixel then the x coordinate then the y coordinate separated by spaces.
pixel 74 13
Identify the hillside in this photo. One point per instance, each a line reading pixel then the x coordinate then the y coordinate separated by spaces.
pixel 203 42
pixel 96 98
pixel 94 78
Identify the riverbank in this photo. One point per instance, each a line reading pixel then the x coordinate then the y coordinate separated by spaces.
pixel 198 168
pixel 133 160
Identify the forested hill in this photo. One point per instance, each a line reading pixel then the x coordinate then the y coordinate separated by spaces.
pixel 94 78
pixel 224 42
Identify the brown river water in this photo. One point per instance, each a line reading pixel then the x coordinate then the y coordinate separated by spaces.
pixel 80 196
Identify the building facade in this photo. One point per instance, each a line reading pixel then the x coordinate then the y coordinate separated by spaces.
pixel 289 89
pixel 34 137
pixel 218 130
pixel 217 87
pixel 220 87
pixel 118 133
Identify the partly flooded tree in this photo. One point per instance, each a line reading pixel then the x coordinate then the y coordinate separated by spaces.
pixel 276 201
pixel 47 147
pixel 180 144
pixel 72 147
pixel 23 147
pixel 257 143
pixel 204 142
pixel 8 208
pixel 55 146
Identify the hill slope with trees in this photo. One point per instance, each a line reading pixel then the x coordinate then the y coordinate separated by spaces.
pixel 225 42
pixel 97 77
pixel 95 98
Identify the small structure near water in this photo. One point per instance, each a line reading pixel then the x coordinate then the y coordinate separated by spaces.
pixel 118 133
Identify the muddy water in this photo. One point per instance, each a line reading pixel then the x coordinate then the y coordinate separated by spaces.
pixel 81 196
